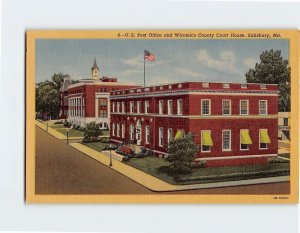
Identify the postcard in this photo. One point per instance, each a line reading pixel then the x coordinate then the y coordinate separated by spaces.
pixel 162 116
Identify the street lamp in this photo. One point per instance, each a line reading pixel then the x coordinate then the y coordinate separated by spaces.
pixel 68 136
pixel 110 160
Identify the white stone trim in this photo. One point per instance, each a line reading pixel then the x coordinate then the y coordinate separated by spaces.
pixel 256 116
pixel 237 157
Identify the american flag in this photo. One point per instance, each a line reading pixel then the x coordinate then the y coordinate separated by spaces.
pixel 148 56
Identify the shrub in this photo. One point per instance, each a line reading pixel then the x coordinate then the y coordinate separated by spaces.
pixel 77 127
pixel 198 164
pixel 277 160
pixel 182 152
pixel 92 131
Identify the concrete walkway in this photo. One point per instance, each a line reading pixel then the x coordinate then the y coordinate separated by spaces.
pixel 54 132
pixel 158 185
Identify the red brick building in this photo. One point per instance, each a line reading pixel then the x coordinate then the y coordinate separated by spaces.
pixel 232 123
pixel 88 99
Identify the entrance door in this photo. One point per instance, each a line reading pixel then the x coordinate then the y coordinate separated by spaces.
pixel 138 132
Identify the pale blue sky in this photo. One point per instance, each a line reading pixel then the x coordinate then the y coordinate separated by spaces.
pixel 176 60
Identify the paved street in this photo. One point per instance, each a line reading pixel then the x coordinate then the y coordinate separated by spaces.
pixel 61 169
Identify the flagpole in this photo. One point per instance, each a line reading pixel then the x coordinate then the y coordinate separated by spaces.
pixel 144 71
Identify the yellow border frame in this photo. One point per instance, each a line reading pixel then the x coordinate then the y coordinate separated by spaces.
pixel 31 197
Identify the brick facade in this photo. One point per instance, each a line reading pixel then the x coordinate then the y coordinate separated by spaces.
pixel 197 107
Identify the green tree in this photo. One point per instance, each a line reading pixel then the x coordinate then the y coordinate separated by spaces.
pixel 92 131
pixel 182 152
pixel 47 100
pixel 48 96
pixel 273 69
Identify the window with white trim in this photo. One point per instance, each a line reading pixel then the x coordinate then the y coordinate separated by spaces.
pixel 262 146
pixel 179 107
pixel 263 107
pixel 131 107
pixel 118 130
pixel 170 107
pixel 161 107
pixel 147 109
pixel 123 107
pixel 161 136
pixel 244 107
pixel 139 106
pixel 170 134
pixel 118 106
pixel 226 140
pixel 205 107
pixel 226 107
pixel 147 134
pixel 131 131
pixel 123 130
pixel 204 147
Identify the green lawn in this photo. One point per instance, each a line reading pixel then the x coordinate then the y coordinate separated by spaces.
pixel 72 132
pixel 55 126
pixel 285 155
pixel 156 167
pixel 98 146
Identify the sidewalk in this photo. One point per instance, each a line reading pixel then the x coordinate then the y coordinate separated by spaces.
pixel 54 132
pixel 158 185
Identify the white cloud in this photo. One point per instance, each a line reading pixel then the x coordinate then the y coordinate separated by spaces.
pixel 250 62
pixel 159 80
pixel 131 71
pixel 139 62
pixel 226 62
pixel 187 72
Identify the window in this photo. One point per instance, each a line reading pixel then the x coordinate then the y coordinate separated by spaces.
pixel 205 107
pixel 226 107
pixel 123 107
pixel 103 113
pixel 118 106
pixel 206 141
pixel 206 85
pixel 113 129
pixel 226 140
pixel 179 85
pixel 139 106
pixel 103 102
pixel 131 131
pixel 170 107
pixel 170 134
pixel 123 130
pixel 147 130
pixel 264 139
pixel 226 85
pixel 263 107
pixel 161 107
pixel 244 107
pixel 147 110
pixel 161 137
pixel 285 121
pixel 113 106
pixel 179 134
pixel 244 86
pixel 179 107
pixel 131 107
pixel 245 139
pixel 263 86
pixel 118 130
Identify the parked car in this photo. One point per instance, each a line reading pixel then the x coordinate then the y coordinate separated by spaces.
pixel 126 151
